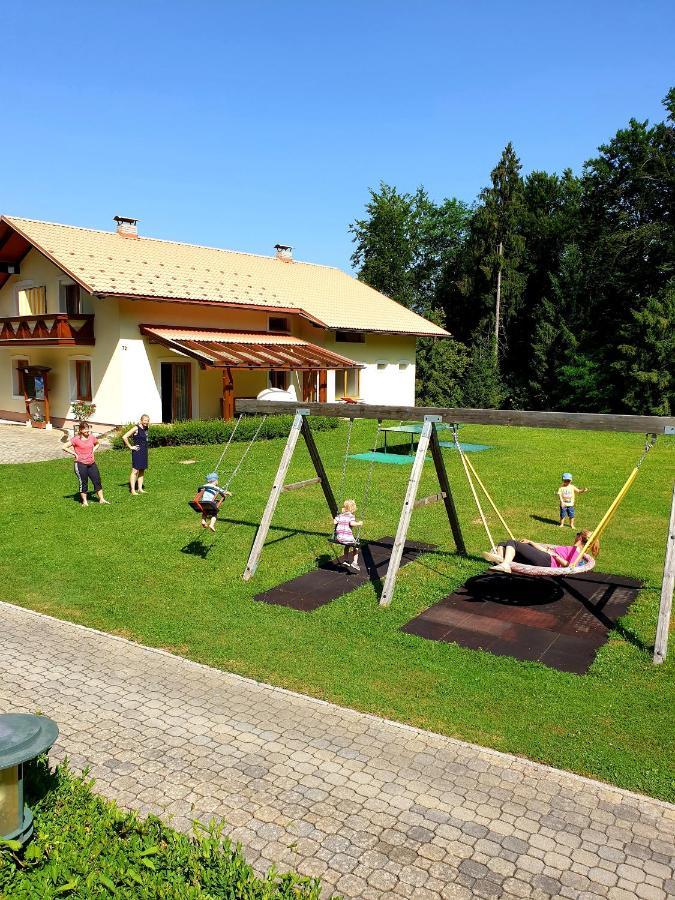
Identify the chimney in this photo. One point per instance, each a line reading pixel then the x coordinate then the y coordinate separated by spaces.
pixel 126 227
pixel 284 252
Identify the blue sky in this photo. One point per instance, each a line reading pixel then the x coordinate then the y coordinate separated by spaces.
pixel 245 124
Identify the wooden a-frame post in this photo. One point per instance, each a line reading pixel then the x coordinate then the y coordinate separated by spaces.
pixel 665 607
pixel 300 426
pixel 428 436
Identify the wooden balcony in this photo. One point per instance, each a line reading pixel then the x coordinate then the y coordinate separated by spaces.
pixel 57 329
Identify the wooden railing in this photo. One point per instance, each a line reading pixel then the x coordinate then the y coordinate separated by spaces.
pixel 55 329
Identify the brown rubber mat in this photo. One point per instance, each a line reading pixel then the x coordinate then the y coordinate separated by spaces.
pixel 331 580
pixel 560 622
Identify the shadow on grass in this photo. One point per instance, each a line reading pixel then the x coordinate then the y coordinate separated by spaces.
pixel 545 520
pixel 197 547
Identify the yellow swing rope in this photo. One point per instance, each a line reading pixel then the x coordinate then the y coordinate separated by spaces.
pixel 492 503
pixel 473 489
pixel 609 515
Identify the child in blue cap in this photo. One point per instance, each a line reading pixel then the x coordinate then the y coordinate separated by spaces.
pixel 566 495
pixel 211 495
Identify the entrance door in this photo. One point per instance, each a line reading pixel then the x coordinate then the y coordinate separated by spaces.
pixel 176 386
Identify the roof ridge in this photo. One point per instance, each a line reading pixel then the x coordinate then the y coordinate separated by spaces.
pixel 156 240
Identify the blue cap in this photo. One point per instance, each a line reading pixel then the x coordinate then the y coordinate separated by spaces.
pixel 567 476
pixel 212 476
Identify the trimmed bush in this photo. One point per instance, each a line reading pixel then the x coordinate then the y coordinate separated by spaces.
pixel 217 431
pixel 85 847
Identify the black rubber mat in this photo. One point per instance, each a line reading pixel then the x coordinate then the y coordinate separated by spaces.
pixel 332 580
pixel 560 622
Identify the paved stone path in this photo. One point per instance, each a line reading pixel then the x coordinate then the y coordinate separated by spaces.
pixel 19 444
pixel 375 808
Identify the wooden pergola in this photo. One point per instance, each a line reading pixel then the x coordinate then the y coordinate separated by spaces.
pixel 431 417
pixel 232 350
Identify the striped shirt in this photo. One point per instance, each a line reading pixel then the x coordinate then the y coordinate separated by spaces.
pixel 343 528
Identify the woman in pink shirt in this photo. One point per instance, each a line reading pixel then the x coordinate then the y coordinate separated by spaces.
pixel 82 447
pixel 533 554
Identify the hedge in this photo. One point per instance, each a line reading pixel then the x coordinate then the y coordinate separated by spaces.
pixel 217 431
pixel 85 847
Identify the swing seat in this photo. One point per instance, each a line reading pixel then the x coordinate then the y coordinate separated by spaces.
pixel 196 504
pixel 333 540
pixel 584 565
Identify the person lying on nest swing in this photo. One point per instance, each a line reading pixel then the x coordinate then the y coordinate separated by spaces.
pixel 533 554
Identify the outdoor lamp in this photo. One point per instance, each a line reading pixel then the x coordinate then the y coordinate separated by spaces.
pixel 22 738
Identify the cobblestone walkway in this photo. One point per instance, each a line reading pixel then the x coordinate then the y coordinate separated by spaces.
pixel 19 444
pixel 374 808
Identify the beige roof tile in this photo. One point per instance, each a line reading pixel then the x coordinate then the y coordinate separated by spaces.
pixel 107 263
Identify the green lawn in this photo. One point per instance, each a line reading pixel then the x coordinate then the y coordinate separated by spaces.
pixel 143 568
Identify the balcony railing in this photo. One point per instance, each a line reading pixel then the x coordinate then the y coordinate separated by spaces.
pixel 57 329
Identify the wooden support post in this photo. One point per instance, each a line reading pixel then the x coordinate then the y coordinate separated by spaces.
pixel 300 426
pixel 443 480
pixel 228 394
pixel 406 512
pixel 318 466
pixel 427 501
pixel 298 485
pixel 273 499
pixel 309 386
pixel 323 385
pixel 661 643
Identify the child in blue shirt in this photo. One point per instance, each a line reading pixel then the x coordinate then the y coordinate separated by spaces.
pixel 212 495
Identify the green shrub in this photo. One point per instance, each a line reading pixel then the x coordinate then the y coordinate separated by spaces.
pixel 217 431
pixel 85 847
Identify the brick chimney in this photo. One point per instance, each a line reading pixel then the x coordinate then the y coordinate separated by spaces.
pixel 284 252
pixel 126 227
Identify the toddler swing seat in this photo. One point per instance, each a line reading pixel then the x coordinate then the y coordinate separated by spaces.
pixel 333 540
pixel 205 507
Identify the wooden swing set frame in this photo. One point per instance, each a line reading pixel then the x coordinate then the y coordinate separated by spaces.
pixel 428 439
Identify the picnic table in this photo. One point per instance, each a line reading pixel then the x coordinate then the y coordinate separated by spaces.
pixel 412 430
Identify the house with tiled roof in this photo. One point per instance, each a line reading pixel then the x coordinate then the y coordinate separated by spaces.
pixel 139 325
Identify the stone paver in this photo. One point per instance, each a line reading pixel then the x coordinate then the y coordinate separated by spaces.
pixel 374 808
pixel 19 444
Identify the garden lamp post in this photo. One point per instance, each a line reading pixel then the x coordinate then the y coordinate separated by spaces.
pixel 22 738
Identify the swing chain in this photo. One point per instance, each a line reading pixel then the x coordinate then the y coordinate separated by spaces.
pixel 343 476
pixel 650 440
pixel 245 453
pixel 232 434
pixel 369 480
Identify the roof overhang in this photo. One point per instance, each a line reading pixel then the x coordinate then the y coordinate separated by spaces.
pixel 14 245
pixel 246 349
pixel 222 304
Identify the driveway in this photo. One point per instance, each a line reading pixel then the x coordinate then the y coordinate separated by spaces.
pixel 375 808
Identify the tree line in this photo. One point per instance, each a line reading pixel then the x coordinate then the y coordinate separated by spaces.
pixel 558 290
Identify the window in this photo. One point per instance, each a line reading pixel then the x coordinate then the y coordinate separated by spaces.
pixel 278 323
pixel 82 379
pixel 381 364
pixel 350 337
pixel 347 384
pixel 17 376
pixel 279 379
pixel 32 301
pixel 69 299
pixel 403 364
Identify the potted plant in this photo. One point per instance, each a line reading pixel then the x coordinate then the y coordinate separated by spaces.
pixel 81 411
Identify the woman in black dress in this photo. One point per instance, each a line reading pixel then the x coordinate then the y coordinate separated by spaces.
pixel 139 454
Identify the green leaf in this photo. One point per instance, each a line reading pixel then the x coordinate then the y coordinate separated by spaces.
pixel 11 845
pixel 70 886
pixel 107 882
